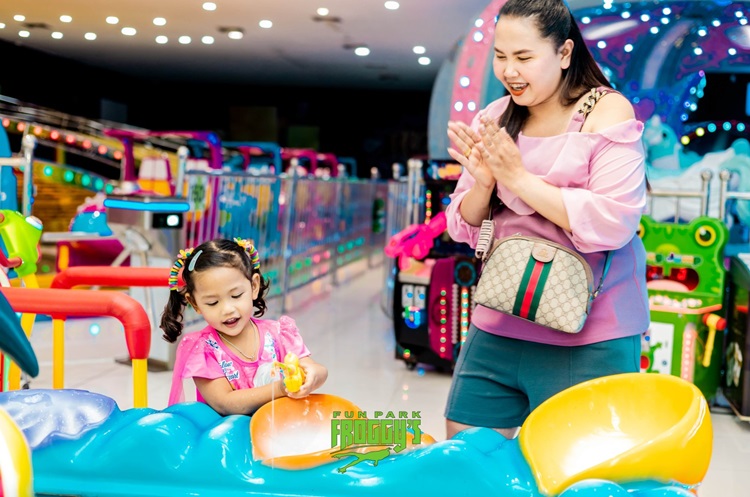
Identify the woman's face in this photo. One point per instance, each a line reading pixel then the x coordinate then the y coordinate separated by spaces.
pixel 529 66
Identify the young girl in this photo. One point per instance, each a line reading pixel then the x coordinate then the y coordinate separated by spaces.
pixel 231 359
pixel 563 154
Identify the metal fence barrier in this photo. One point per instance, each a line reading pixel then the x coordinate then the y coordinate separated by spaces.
pixel 305 228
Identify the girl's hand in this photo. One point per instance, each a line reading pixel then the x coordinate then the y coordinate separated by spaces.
pixel 315 375
pixel 467 154
pixel 500 153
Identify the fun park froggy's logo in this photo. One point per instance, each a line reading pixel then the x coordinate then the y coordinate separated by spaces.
pixel 372 439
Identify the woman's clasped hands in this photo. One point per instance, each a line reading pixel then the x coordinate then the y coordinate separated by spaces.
pixel 488 153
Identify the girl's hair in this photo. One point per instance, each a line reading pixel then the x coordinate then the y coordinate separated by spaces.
pixel 555 22
pixel 208 255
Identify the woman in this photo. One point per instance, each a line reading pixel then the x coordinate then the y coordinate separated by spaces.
pixel 567 165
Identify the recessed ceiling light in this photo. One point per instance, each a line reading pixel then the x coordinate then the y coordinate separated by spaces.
pixel 161 39
pixel 208 40
pixel 425 61
pixel 235 35
pixel 419 49
pixel 112 20
pixel 185 40
pixel 19 18
pixel 159 21
pixel 128 31
pixel 90 36
pixel 56 35
pixel 210 6
pixel 2 25
pixel 391 5
pixel 24 34
pixel 265 23
pixel 65 18
pixel 322 11
pixel 362 51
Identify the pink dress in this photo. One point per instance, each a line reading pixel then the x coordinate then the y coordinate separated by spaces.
pixel 204 355
pixel 603 182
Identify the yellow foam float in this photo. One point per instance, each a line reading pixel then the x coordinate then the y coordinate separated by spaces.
pixel 296 433
pixel 623 428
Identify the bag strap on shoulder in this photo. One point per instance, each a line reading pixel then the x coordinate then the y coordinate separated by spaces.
pixel 588 105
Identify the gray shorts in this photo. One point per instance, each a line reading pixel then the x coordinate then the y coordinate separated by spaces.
pixel 498 381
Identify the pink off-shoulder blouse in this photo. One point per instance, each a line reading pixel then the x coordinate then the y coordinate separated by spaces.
pixel 603 183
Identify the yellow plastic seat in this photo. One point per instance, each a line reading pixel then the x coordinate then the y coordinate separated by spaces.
pixel 623 428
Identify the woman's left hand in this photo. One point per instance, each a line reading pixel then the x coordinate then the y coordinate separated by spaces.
pixel 500 153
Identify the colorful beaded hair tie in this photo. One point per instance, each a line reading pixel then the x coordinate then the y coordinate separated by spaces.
pixel 178 264
pixel 251 252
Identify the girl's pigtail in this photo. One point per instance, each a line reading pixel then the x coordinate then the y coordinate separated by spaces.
pixel 171 318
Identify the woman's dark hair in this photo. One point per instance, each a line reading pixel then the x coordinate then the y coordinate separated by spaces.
pixel 211 254
pixel 555 22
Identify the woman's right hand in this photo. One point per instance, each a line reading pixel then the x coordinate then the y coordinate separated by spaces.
pixel 468 155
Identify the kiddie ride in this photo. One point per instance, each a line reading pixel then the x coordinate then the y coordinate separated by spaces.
pixel 629 435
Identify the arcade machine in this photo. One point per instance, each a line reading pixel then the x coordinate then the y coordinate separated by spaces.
pixel 686 288
pixel 736 384
pixel 434 283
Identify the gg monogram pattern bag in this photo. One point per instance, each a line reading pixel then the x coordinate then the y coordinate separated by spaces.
pixel 537 280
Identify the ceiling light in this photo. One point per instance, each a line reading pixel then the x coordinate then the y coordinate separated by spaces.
pixel 159 21
pixel 419 49
pixel 56 35
pixel 90 36
pixel 112 20
pixel 425 61
pixel 128 31
pixel 24 34
pixel 322 11
pixel 391 5
pixel 362 51
pixel 65 18
pixel 210 6
pixel 184 40
pixel 161 39
pixel 208 40
pixel 265 23
pixel 19 18
pixel 235 35
pixel 2 25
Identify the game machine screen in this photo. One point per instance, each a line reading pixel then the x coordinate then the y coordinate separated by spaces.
pixel 686 289
pixel 435 280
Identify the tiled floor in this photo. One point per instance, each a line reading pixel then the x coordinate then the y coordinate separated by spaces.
pixel 346 329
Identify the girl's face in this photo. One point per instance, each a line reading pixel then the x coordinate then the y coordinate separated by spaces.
pixel 224 297
pixel 529 66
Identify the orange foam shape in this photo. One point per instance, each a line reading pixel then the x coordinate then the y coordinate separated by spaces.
pixel 296 433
